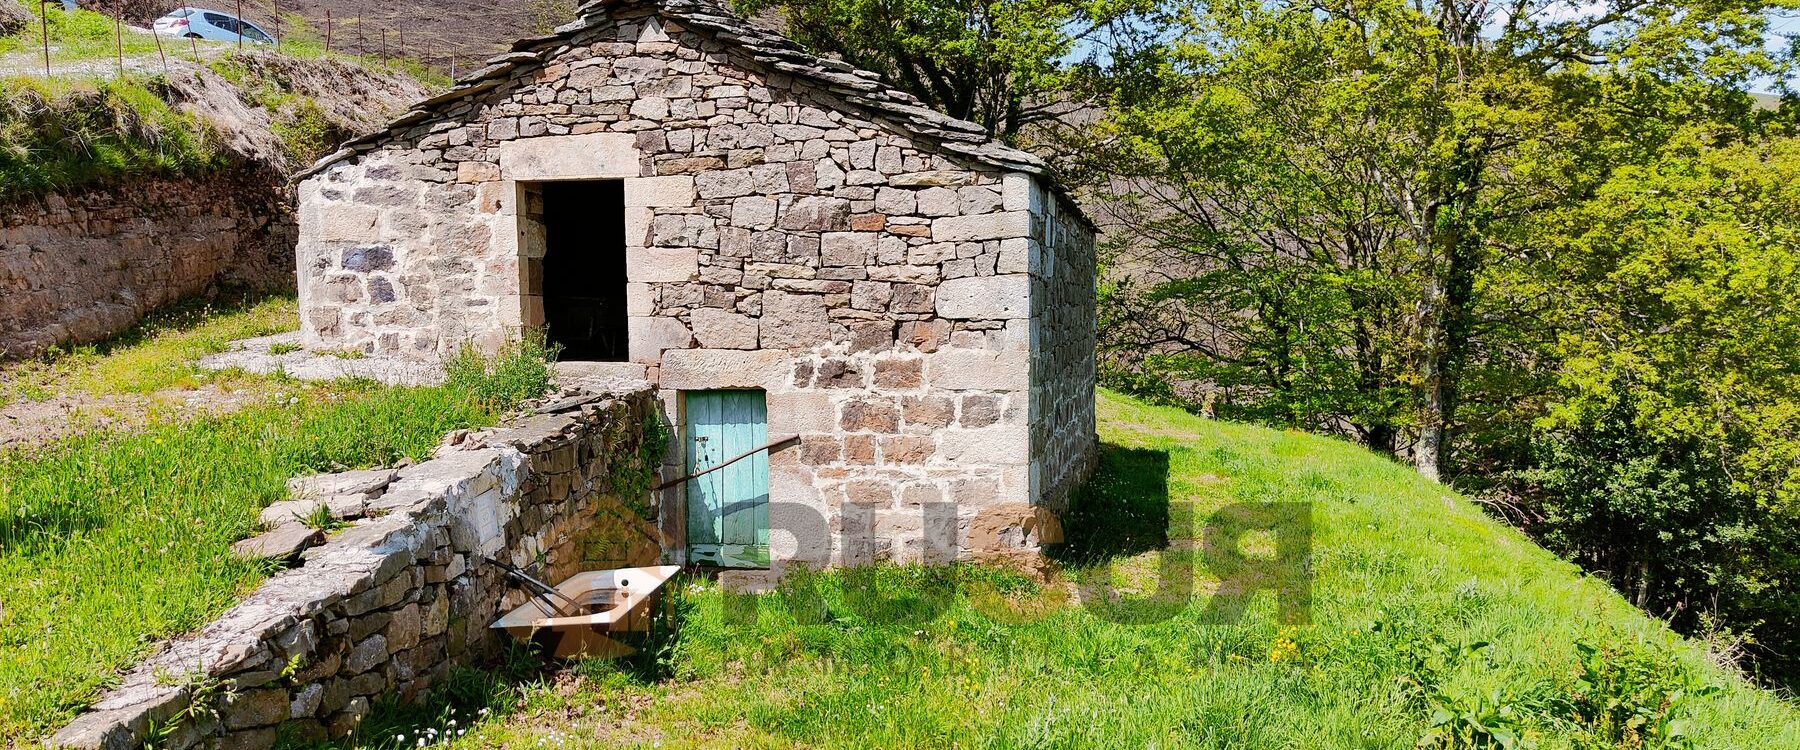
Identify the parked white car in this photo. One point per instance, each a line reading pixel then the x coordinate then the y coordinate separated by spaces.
pixel 200 23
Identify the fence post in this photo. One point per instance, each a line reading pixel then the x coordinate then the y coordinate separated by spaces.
pixel 119 36
pixel 278 27
pixel 44 11
pixel 159 49
pixel 327 33
pixel 240 26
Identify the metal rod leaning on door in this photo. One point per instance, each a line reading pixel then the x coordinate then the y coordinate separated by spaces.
pixel 770 446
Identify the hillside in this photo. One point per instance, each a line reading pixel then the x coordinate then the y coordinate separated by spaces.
pixel 132 179
pixel 437 32
pixel 1432 625
pixel 445 35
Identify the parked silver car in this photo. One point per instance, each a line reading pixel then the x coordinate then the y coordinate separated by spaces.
pixel 200 23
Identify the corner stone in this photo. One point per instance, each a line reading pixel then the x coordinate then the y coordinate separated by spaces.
pixel 984 227
pixel 650 337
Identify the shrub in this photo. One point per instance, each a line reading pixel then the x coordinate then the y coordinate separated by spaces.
pixel 519 372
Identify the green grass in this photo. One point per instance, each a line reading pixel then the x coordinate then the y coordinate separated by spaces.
pixel 112 541
pixel 69 133
pixel 84 127
pixel 1432 626
pixel 79 35
pixel 109 542
pixel 159 353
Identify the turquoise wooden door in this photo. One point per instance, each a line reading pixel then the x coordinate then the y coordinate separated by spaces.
pixel 728 510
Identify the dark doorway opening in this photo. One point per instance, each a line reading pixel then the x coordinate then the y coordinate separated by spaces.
pixel 584 270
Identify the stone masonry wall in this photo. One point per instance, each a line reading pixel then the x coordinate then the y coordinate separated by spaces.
pixel 878 290
pixel 78 268
pixel 389 605
pixel 1064 442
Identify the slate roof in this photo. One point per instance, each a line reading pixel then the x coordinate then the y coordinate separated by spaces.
pixel 859 88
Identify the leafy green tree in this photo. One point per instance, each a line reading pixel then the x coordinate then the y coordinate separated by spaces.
pixel 1314 194
pixel 1669 455
pixel 1004 64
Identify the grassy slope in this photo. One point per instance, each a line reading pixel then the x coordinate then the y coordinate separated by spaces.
pixel 1389 548
pixel 112 541
pixel 90 126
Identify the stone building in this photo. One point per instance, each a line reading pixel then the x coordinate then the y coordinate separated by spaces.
pixel 784 244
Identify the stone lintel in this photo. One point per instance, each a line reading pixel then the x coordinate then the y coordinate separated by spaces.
pixel 706 369
pixel 592 156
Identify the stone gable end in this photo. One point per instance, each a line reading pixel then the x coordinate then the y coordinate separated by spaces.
pixel 922 320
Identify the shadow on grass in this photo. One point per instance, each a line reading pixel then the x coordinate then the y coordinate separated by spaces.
pixel 1123 511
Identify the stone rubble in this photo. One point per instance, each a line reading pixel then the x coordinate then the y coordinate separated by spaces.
pixel 282 353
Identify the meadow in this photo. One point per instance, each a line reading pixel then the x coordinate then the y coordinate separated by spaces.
pixel 1431 625
pixel 113 540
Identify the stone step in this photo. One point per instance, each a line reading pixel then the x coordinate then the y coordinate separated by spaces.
pixel 284 543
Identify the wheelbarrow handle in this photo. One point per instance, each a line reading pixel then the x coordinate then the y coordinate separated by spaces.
pixel 544 590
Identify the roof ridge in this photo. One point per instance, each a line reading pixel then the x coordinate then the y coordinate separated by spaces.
pixel 864 89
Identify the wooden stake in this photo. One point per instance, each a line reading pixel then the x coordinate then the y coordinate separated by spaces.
pixel 119 36
pixel 44 7
pixel 240 26
pixel 278 26
pixel 159 49
pixel 328 33
pixel 361 43
pixel 384 48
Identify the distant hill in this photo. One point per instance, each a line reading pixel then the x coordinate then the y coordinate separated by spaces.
pixel 444 34
pixel 439 33
pixel 448 35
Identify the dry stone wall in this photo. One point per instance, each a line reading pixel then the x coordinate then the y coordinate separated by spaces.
pixel 78 268
pixel 386 607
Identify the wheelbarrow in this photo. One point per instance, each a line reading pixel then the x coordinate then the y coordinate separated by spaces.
pixel 580 616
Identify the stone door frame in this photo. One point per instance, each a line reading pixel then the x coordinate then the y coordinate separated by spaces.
pixel 527 162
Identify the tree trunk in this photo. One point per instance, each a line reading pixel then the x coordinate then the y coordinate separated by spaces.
pixel 1447 309
pixel 1431 419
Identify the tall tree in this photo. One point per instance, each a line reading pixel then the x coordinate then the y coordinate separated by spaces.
pixel 1004 64
pixel 1668 458
pixel 1324 185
